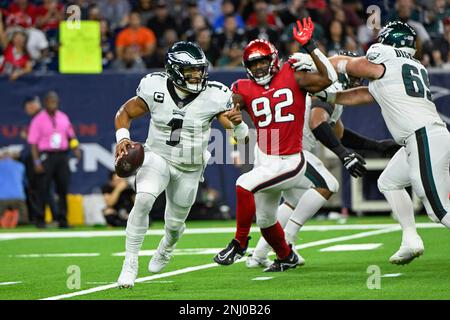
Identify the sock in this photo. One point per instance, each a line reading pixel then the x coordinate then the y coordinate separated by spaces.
pixel 137 223
pixel 263 248
pixel 274 236
pixel 402 206
pixel 172 236
pixel 245 211
pixel 446 220
pixel 308 205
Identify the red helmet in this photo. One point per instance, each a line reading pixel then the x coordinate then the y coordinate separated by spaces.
pixel 259 49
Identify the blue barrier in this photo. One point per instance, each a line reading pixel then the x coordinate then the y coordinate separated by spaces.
pixel 91 102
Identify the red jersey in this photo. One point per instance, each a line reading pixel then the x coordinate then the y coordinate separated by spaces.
pixel 277 111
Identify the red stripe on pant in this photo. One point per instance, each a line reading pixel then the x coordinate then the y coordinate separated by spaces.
pixel 274 236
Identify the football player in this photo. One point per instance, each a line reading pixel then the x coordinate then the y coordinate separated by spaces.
pixel 182 103
pixel 322 124
pixel 399 84
pixel 274 97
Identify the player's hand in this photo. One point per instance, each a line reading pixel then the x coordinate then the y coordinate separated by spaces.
pixel 388 147
pixel 122 146
pixel 304 33
pixel 39 168
pixel 235 114
pixel 354 163
pixel 302 62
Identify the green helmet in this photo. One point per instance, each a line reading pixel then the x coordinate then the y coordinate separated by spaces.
pixel 186 54
pixel 399 35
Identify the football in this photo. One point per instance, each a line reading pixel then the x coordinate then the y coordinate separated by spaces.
pixel 129 163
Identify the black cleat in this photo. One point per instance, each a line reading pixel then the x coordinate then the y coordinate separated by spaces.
pixel 290 262
pixel 231 253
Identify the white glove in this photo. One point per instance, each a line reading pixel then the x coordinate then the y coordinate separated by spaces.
pixel 303 62
pixel 327 95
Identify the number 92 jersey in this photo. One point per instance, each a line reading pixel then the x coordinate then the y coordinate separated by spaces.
pixel 277 111
pixel 180 128
pixel 403 92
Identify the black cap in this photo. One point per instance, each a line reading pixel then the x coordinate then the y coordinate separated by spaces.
pixel 30 99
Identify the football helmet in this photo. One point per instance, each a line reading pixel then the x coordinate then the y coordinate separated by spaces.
pixel 399 35
pixel 181 56
pixel 258 50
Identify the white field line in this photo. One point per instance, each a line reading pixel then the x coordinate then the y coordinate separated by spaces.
pixel 262 278
pixel 55 255
pixel 9 283
pixel 352 247
pixel 160 232
pixel 213 265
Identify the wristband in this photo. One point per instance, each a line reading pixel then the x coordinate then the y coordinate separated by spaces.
pixel 240 131
pixel 37 162
pixel 310 46
pixel 121 134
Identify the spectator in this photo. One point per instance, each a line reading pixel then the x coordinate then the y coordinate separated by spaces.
pixel 130 61
pixel 296 10
pixel 169 38
pixel 115 11
pixel 94 13
pixel 161 21
pixel 434 17
pixel 198 23
pixel 138 36
pixel 107 43
pixel 263 28
pixel 12 194
pixel 227 10
pixel 210 9
pixel 49 15
pixel 441 52
pixel 232 41
pixel 21 13
pixel 119 200
pixel 51 135
pixel 337 38
pixel 261 16
pixel 183 25
pixel 205 42
pixel 16 60
pixel 38 48
pixel 145 9
pixel 336 11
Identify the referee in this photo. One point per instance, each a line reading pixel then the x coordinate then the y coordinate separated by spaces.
pixel 51 136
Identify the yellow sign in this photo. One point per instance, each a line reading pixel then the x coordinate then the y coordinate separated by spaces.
pixel 80 47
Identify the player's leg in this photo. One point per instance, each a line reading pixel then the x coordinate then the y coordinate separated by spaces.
pixel 151 179
pixel 392 183
pixel 272 231
pixel 180 196
pixel 272 173
pixel 429 159
pixel 324 185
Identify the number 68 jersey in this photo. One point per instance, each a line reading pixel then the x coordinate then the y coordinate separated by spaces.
pixel 180 128
pixel 277 111
pixel 403 92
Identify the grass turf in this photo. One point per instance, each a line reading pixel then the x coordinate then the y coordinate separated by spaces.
pixel 326 275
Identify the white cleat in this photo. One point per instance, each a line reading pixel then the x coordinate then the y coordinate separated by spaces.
pixel 256 262
pixel 407 253
pixel 129 273
pixel 160 259
pixel 301 260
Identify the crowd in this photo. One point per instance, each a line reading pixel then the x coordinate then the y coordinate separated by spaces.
pixel 135 34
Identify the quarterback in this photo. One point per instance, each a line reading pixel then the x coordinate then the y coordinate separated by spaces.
pixel 182 103
pixel 399 84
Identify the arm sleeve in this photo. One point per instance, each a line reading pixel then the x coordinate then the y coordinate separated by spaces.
pixel 378 53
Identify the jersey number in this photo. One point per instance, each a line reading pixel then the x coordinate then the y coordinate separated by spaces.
pixel 415 85
pixel 261 107
pixel 176 125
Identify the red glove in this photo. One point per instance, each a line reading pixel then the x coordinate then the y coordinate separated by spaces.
pixel 304 33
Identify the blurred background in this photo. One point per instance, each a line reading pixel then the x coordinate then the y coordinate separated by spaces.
pixel 92 54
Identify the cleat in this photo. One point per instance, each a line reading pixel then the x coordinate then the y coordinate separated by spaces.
pixel 405 255
pixel 256 262
pixel 290 262
pixel 161 258
pixel 129 273
pixel 231 253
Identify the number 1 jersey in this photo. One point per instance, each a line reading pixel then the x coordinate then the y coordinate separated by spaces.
pixel 277 111
pixel 180 128
pixel 403 92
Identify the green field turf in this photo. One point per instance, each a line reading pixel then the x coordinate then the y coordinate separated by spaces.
pixel 326 275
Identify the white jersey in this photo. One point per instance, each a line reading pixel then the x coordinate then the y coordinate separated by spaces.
pixel 309 140
pixel 180 129
pixel 403 92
